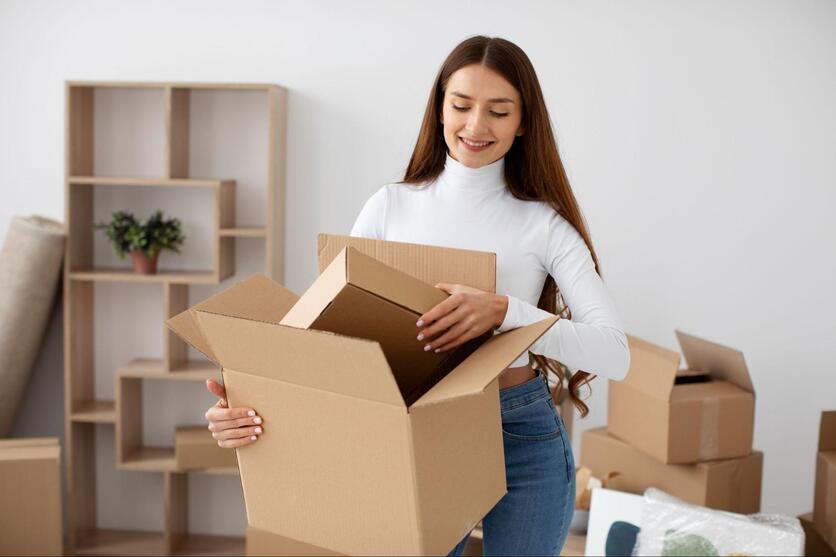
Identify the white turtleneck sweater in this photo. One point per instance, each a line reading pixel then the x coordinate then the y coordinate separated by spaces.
pixel 472 209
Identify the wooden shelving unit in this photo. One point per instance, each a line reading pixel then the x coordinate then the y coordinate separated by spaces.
pixel 84 412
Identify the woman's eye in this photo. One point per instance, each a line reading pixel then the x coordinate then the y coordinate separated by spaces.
pixel 499 114
pixel 461 108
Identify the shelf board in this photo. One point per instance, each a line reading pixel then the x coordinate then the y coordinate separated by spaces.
pixel 100 541
pixel 157 182
pixel 127 275
pixel 127 542
pixel 96 412
pixel 152 368
pixel 175 85
pixel 244 232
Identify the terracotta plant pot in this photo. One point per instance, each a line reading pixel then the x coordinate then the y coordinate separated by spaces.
pixel 144 265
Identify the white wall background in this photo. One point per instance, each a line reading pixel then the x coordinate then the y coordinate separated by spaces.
pixel 699 137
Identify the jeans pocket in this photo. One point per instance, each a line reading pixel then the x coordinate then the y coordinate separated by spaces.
pixel 536 421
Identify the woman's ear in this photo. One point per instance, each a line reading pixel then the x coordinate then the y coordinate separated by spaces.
pixel 520 131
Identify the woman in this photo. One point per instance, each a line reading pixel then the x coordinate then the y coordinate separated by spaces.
pixel 486 175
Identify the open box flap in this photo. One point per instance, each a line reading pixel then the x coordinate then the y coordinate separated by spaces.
pixel 721 362
pixel 827 431
pixel 483 366
pixel 318 295
pixel 256 297
pixel 353 267
pixel 430 264
pixel 652 368
pixel 317 359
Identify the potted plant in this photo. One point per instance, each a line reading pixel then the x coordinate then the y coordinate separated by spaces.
pixel 143 240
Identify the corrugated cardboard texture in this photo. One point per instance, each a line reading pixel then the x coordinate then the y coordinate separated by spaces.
pixel 721 362
pixel 316 359
pixel 733 485
pixel 824 503
pixel 30 485
pixel 682 417
pixel 460 463
pixel 256 297
pixel 261 543
pixel 814 543
pixel 327 468
pixel 431 264
pixel 195 449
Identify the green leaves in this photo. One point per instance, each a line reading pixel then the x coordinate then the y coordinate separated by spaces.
pixel 155 234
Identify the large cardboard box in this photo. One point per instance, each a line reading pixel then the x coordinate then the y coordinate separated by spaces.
pixel 260 543
pixel 369 446
pixel 679 416
pixel 30 489
pixel 824 504
pixel 731 485
pixel 814 543
pixel 196 449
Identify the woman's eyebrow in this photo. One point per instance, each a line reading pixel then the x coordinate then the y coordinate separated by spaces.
pixel 497 100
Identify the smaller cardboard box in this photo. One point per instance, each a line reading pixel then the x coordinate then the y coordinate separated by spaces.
pixel 814 543
pixel 30 488
pixel 680 416
pixel 196 449
pixel 730 485
pixel 371 445
pixel 824 504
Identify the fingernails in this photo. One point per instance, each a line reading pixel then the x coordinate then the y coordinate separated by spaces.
pixel 421 336
pixel 437 350
pixel 420 323
pixel 256 420
pixel 253 438
pixel 251 413
pixel 258 430
pixel 427 348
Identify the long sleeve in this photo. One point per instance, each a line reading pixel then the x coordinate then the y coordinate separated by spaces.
pixel 593 340
pixel 370 223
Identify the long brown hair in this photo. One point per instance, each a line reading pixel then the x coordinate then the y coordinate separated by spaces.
pixel 533 169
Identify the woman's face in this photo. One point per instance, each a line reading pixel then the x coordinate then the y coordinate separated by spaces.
pixel 481 114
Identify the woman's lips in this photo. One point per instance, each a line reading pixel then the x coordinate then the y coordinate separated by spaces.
pixel 475 145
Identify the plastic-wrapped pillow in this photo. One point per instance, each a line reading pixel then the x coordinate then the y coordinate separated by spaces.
pixel 672 527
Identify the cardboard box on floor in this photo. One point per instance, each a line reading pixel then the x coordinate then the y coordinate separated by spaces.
pixel 196 449
pixel 705 412
pixel 731 485
pixel 30 484
pixel 824 503
pixel 814 543
pixel 368 446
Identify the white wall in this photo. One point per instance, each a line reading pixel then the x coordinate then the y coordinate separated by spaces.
pixel 699 138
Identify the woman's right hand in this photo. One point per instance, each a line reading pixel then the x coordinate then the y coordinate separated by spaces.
pixel 231 427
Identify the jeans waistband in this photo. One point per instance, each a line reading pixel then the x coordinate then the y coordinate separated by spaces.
pixel 528 391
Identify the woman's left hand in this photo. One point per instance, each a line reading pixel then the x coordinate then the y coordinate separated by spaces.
pixel 465 315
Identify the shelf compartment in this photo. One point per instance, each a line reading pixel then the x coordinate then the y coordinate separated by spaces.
pixel 95 411
pixel 161 459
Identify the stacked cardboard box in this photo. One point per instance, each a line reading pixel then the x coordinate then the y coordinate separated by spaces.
pixel 685 431
pixel 30 486
pixel 370 446
pixel 824 503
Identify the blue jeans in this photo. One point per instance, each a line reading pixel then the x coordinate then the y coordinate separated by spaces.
pixel 534 515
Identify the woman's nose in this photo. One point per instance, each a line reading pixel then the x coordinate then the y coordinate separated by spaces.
pixel 476 123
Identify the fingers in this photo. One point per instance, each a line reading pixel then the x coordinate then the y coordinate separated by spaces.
pixel 237 433
pixel 440 326
pixel 237 443
pixel 439 310
pixel 218 390
pixel 460 333
pixel 219 425
pixel 219 414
